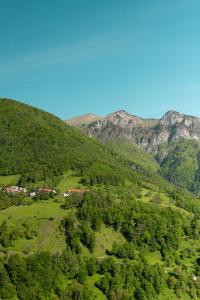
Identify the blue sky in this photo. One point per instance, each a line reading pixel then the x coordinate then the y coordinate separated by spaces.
pixel 71 57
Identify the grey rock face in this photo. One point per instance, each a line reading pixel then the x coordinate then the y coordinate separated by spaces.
pixel 146 133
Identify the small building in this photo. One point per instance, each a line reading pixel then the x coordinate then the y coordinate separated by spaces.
pixel 66 194
pixel 23 190
pixel 47 190
pixel 15 189
pixel 33 193
pixel 74 191
pixel 12 189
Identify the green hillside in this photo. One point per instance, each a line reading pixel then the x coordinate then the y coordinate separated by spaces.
pixel 180 163
pixel 140 159
pixel 41 147
pixel 130 236
pixel 116 243
pixel 141 162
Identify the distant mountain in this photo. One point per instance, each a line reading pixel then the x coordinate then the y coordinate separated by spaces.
pixel 146 133
pixel 83 119
pixel 173 140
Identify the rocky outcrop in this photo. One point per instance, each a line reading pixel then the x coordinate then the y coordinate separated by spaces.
pixel 174 126
pixel 146 133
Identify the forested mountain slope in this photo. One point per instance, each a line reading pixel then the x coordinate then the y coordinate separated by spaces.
pixel 39 146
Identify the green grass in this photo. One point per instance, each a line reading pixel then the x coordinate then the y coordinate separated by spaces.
pixel 14 298
pixel 134 154
pixel 49 239
pixel 105 239
pixel 9 180
pixel 148 196
pixel 45 217
pixel 164 201
pixel 154 258
pixel 40 209
pixel 68 180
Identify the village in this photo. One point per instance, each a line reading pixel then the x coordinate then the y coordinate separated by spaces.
pixel 15 189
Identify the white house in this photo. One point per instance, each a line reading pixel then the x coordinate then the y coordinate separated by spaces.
pixel 66 194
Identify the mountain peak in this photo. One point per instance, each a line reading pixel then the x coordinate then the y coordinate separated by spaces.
pixel 124 115
pixel 83 119
pixel 171 117
pixel 172 112
pixel 120 112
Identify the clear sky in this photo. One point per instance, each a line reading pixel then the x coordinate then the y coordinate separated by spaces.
pixel 71 57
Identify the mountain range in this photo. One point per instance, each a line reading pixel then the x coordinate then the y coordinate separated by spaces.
pixel 173 141
pixel 146 133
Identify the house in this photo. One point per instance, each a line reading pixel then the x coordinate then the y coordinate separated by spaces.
pixel 12 189
pixel 47 190
pixel 74 191
pixel 23 190
pixel 66 194
pixel 77 191
pixel 33 193
pixel 15 189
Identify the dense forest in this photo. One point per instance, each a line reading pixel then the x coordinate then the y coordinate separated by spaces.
pixel 124 271
pixel 39 146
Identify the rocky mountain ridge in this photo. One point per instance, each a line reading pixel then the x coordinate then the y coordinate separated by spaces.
pixel 146 133
pixel 173 141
